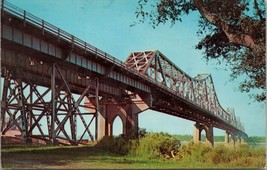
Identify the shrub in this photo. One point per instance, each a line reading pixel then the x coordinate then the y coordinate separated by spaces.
pixel 194 152
pixel 241 156
pixel 118 144
pixel 165 146
pixel 106 143
pixel 186 150
pixel 219 154
pixel 158 145
pixel 141 133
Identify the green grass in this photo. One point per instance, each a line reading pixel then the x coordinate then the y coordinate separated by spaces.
pixel 40 157
pixel 74 157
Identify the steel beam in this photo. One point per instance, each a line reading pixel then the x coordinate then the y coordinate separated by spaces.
pixel 25 134
pixel 96 108
pixel 4 103
pixel 53 101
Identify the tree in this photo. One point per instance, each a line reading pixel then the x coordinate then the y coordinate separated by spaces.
pixel 232 31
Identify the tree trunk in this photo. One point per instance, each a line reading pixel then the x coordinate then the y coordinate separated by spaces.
pixel 235 38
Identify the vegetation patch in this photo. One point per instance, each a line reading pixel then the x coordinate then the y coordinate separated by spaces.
pixel 224 156
pixel 158 145
pixel 151 150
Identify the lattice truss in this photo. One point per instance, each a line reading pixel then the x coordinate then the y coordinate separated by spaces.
pixel 29 108
pixel 199 90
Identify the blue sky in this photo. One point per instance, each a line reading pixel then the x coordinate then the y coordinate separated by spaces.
pixel 106 25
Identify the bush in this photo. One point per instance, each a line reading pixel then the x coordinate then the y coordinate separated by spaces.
pixel 195 152
pixel 118 144
pixel 158 145
pixel 219 154
pixel 241 156
pixel 165 146
pixel 141 133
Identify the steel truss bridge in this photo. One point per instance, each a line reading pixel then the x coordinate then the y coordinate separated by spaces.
pixel 53 77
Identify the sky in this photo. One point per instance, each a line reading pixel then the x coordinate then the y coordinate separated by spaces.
pixel 105 24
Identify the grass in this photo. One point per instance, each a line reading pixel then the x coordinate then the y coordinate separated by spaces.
pixel 80 157
pixel 73 158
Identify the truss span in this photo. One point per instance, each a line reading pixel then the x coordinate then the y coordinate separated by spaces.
pixel 198 90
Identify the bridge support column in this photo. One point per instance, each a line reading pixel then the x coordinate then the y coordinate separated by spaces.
pixel 128 111
pixel 233 139
pixel 226 137
pixel 240 140
pixel 102 126
pixel 197 133
pixel 53 104
pixel 4 104
pixel 209 133
pixel 243 140
pixel 22 109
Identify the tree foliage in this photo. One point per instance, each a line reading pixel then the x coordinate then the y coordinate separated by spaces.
pixel 232 31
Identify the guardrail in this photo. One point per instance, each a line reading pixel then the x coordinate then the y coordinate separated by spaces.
pixel 76 42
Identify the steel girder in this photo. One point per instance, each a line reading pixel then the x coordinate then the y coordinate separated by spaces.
pixel 30 108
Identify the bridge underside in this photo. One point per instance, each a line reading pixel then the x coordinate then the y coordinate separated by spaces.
pixel 50 100
pixel 46 105
pixel 46 100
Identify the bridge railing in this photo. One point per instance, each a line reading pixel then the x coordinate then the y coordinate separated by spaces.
pixel 27 17
pixel 45 26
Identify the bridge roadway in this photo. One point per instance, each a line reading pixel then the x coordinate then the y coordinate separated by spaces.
pixel 37 54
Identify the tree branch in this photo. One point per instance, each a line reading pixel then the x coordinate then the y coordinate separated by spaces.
pixel 258 10
pixel 240 39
